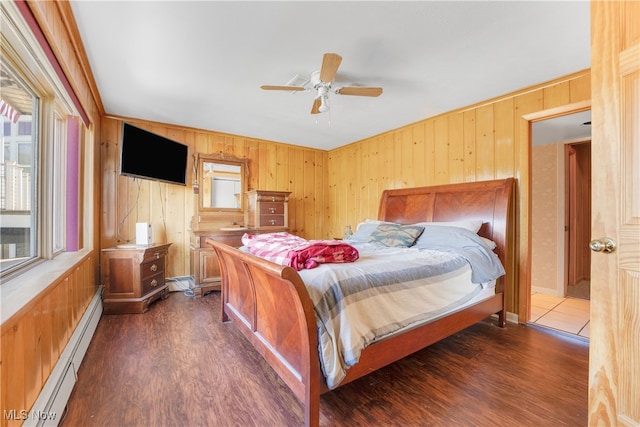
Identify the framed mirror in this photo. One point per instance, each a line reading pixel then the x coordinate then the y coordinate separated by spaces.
pixel 222 182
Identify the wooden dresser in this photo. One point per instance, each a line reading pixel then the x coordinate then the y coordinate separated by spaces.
pixel 205 269
pixel 134 277
pixel 266 212
pixel 267 209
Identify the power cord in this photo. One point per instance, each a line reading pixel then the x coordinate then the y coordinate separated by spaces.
pixel 186 290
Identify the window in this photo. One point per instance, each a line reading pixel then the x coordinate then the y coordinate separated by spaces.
pixel 18 208
pixel 40 163
pixel 24 128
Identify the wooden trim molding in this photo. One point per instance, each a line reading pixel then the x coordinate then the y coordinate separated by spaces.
pixel 69 21
pixel 524 282
pixel 563 110
pixel 34 25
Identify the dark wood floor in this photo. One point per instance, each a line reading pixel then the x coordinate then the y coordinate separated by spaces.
pixel 178 365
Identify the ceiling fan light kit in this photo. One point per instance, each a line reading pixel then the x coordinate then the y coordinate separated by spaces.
pixel 323 95
pixel 321 82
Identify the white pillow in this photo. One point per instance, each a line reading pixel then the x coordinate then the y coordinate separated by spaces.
pixel 489 242
pixel 376 221
pixel 468 224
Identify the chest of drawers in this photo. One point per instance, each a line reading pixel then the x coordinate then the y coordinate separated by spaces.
pixel 267 209
pixel 133 277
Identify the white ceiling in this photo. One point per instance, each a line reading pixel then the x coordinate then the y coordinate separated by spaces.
pixel 200 64
pixel 570 127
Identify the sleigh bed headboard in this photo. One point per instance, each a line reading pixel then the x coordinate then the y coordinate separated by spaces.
pixel 489 201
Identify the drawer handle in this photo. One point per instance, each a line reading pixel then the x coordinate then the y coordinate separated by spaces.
pixel 272 221
pixel 154 282
pixel 157 255
pixel 273 198
pixel 272 210
pixel 153 267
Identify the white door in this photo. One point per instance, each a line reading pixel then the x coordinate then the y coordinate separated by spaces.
pixel 614 357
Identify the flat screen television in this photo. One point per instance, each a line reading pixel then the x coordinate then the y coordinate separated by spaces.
pixel 144 154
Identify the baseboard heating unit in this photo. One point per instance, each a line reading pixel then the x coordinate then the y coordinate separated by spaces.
pixel 52 400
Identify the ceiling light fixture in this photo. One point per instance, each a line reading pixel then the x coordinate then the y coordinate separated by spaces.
pixel 324 107
pixel 323 90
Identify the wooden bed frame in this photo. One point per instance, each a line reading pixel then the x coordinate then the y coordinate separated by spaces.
pixel 270 305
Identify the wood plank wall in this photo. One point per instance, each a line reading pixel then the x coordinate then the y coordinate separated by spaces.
pixel 32 340
pixel 169 207
pixel 485 141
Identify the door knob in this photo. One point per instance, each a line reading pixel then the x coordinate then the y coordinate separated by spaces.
pixel 606 245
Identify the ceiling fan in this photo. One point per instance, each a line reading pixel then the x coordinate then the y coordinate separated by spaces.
pixel 321 81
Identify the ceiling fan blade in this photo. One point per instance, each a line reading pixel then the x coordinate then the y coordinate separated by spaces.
pixel 287 88
pixel 330 64
pixel 359 91
pixel 316 106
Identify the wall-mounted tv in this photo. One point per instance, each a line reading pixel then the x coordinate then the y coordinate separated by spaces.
pixel 144 154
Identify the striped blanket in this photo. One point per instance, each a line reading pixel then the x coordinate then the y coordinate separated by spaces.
pixel 386 291
pixel 293 251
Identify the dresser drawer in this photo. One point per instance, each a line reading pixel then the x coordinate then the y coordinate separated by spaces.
pixel 271 208
pixel 232 240
pixel 271 221
pixel 272 197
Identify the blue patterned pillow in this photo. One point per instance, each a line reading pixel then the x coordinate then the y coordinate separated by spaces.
pixel 363 232
pixel 396 235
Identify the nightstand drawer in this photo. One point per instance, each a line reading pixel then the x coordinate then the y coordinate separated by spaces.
pixel 149 268
pixel 152 283
pixel 154 254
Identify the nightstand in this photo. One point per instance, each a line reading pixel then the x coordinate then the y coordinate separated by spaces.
pixel 133 277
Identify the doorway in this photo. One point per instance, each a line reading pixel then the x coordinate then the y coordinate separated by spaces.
pixel 578 219
pixel 560 220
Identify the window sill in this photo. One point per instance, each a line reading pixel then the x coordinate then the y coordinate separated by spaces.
pixel 18 292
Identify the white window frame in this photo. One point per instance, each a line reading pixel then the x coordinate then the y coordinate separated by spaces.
pixel 59 184
pixel 21 50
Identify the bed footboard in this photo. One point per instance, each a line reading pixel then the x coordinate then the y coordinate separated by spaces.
pixel 277 317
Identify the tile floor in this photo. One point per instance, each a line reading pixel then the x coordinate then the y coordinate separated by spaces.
pixel 565 314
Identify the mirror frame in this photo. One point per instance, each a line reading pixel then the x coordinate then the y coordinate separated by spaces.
pixel 225 159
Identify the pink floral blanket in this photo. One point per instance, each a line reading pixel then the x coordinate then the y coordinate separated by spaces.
pixel 293 251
